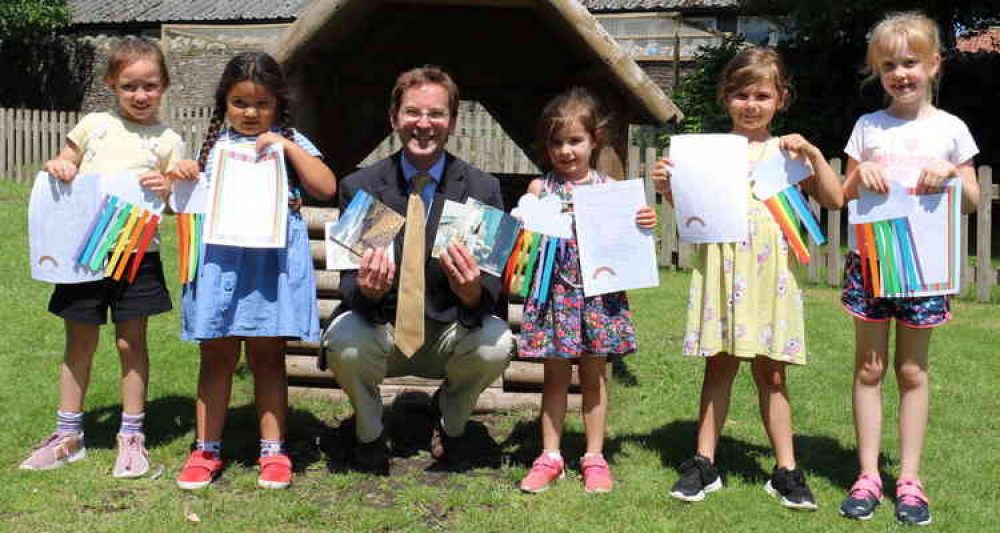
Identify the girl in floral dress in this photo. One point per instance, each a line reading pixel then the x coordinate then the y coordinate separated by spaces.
pixel 567 326
pixel 744 303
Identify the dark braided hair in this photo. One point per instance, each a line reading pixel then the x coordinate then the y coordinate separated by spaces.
pixel 260 69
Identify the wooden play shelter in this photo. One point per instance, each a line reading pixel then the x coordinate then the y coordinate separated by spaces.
pixel 512 56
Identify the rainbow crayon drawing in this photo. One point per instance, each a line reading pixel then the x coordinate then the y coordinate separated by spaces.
pixel 917 255
pixel 189 245
pixel 788 208
pixel 528 271
pixel 120 233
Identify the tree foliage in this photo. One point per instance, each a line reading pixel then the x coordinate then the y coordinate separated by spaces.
pixel 825 59
pixel 42 70
pixel 695 92
pixel 24 18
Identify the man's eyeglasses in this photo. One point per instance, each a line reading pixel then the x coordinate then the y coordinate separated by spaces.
pixel 434 115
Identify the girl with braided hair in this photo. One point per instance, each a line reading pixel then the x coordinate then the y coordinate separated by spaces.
pixel 257 297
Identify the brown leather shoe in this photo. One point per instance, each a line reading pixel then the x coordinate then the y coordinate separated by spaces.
pixel 439 439
pixel 438 445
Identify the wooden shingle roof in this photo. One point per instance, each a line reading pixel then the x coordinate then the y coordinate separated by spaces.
pixel 598 6
pixel 97 12
pixel 87 12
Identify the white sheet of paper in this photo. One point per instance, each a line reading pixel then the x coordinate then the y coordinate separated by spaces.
pixel 190 196
pixel 615 254
pixel 125 185
pixel 59 216
pixel 777 173
pixel 339 257
pixel 874 207
pixel 248 198
pixel 929 227
pixel 709 184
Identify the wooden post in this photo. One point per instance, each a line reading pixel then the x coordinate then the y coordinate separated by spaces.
pixel 668 230
pixel 647 174
pixel 833 255
pixel 985 273
pixel 613 157
pixel 967 272
pixel 3 143
pixel 46 127
pixel 18 144
pixel 816 259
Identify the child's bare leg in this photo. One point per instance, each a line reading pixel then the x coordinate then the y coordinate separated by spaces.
pixel 266 357
pixel 74 375
pixel 914 396
pixel 775 410
pixel 130 339
pixel 554 391
pixel 871 340
pixel 215 382
pixel 594 388
pixel 716 388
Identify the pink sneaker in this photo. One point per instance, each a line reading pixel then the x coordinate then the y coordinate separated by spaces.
pixel 544 471
pixel 596 475
pixel 133 457
pixel 275 472
pixel 54 451
pixel 199 470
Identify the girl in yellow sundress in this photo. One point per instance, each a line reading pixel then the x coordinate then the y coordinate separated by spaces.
pixel 745 304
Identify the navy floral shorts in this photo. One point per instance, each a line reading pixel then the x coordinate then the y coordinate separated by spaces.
pixel 919 312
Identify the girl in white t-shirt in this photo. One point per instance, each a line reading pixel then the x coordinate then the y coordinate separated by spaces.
pixel 913 138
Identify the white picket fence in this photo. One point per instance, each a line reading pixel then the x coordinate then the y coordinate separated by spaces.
pixel 29 137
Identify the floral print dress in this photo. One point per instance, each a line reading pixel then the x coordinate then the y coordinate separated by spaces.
pixel 568 325
pixel 744 299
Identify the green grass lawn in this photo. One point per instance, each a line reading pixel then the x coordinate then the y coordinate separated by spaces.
pixel 651 429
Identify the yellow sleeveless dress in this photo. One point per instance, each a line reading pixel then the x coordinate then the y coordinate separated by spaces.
pixel 744 299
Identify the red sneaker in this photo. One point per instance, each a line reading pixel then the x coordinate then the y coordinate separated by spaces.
pixel 544 471
pixel 275 472
pixel 596 475
pixel 199 470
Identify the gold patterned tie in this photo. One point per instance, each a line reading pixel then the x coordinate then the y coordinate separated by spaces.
pixel 410 304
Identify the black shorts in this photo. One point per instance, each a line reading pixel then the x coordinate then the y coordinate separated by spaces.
pixel 89 302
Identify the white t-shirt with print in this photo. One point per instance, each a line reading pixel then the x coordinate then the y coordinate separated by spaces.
pixel 903 148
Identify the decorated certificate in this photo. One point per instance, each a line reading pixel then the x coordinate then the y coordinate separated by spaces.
pixel 615 253
pixel 248 198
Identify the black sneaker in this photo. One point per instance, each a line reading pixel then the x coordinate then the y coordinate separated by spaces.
pixel 372 457
pixel 865 496
pixel 698 477
pixel 789 486
pixel 912 506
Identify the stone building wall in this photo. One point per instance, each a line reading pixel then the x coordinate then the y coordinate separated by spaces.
pixel 195 67
pixel 662 73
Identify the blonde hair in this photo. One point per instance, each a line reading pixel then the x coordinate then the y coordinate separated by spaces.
pixel 913 28
pixel 754 65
